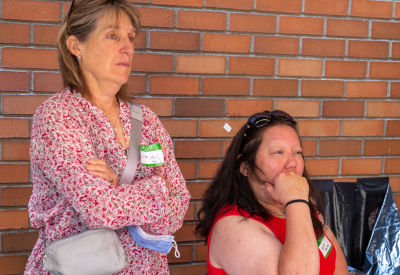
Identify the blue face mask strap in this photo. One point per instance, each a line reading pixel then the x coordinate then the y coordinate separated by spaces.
pixel 177 254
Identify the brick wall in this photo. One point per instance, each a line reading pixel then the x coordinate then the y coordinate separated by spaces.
pixel 335 65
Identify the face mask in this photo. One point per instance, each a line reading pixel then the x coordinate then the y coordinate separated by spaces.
pixel 161 243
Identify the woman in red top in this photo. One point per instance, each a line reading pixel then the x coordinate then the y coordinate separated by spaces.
pixel 260 214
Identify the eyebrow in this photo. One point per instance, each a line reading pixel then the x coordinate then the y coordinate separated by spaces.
pixel 116 27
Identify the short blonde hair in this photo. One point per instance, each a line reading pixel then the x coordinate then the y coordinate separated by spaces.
pixel 80 21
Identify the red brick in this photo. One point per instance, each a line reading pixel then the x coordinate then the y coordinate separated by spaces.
pixel 361 166
pixel 300 67
pixel 252 23
pixel 394 183
pixel 338 7
pixel 323 47
pixel 200 64
pixel 342 108
pixel 137 84
pixel 215 128
pixel 395 50
pixel 47 82
pixel 46 35
pixel 15 150
pixel 188 269
pixel 397 15
pixel 197 189
pixel 299 108
pixel 185 254
pixel 14 81
pixel 14 242
pixel 13 264
pixel 201 20
pixel 339 147
pixel 322 167
pixel 200 252
pixel 190 215
pixel 392 165
pixel 13 127
pixel 246 107
pixel 324 88
pixel 363 128
pixel 309 148
pixel 140 40
pixel 174 85
pixel 214 42
pixel 184 41
pixel 384 70
pixel 366 89
pixel 13 219
pixel 395 89
pixel 251 65
pixel 301 25
pixel 162 106
pixel 29 58
pixel 148 62
pixel 382 147
pixel 31 10
pixel 276 45
pixel 154 17
pixel 21 104
pixel 368 49
pixel 207 170
pixel 393 128
pixel 383 109
pixel 198 149
pixel 389 30
pixel 180 128
pixel 188 3
pixel 368 8
pixel 199 107
pixel 188 169
pixel 335 68
pixel 230 4
pixel 319 128
pixel 289 6
pixel 15 196
pixel 14 33
pixel 341 27
pixel 225 86
pixel 275 87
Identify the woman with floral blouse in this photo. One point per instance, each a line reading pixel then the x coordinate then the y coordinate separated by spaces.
pixel 80 140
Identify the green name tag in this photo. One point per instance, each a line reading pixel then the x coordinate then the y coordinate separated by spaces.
pixel 151 155
pixel 324 246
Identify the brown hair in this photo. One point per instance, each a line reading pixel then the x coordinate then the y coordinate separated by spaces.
pixel 80 21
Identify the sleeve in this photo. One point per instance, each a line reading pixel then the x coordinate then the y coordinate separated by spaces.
pixel 178 200
pixel 64 149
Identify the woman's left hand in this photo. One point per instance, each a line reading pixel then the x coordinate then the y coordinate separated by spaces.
pixel 98 167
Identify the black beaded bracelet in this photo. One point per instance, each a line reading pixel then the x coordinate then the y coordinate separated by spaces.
pixel 293 201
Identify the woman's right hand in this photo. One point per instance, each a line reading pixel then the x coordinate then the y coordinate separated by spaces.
pixel 288 186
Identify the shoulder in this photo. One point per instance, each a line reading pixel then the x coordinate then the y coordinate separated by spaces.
pixel 234 238
pixel 55 104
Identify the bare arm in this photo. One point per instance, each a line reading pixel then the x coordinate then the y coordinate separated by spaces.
pixel 340 263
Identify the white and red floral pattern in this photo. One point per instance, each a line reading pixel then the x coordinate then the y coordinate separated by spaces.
pixel 67 132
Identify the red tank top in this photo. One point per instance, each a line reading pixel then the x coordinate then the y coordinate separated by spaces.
pixel 278 227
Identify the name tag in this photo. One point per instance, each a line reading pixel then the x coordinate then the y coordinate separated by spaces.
pixel 151 155
pixel 324 246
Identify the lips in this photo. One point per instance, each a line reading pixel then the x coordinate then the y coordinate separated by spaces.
pixel 124 64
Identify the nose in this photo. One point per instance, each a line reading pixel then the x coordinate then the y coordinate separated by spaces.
pixel 127 46
pixel 291 162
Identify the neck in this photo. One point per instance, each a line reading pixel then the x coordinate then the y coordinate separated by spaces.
pixel 275 209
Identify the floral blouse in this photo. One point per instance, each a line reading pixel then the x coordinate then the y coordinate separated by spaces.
pixel 67 132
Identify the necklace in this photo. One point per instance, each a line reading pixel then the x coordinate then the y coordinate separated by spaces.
pixel 279 214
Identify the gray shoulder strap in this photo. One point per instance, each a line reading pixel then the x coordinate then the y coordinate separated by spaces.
pixel 133 153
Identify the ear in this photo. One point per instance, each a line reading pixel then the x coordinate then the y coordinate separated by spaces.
pixel 74 46
pixel 243 169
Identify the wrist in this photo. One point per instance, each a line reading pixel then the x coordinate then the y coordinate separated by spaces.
pixel 297 201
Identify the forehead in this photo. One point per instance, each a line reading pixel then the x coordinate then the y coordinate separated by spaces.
pixel 114 19
pixel 280 133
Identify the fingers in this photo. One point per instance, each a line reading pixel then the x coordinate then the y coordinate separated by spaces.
pixel 99 168
pixel 290 186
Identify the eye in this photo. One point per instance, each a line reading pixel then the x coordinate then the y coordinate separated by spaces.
pixel 278 152
pixel 112 36
pixel 299 153
pixel 131 38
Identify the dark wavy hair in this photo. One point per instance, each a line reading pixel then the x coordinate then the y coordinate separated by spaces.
pixel 230 187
